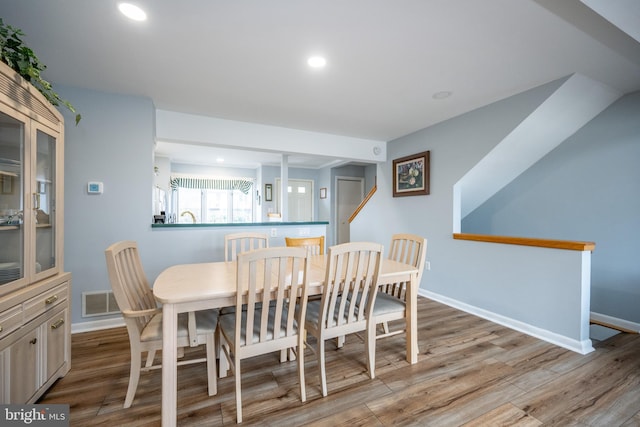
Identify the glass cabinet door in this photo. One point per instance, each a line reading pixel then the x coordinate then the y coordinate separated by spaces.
pixel 44 202
pixel 12 173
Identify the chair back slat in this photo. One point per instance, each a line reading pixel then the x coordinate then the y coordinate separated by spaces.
pixel 270 282
pixel 128 280
pixel 350 283
pixel 236 243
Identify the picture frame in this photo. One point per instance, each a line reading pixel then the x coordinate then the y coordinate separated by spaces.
pixel 268 192
pixel 411 175
pixel 323 193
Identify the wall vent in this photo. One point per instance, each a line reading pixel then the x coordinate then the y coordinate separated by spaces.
pixel 99 303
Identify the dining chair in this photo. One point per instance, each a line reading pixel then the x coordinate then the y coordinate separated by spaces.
pixel 143 318
pixel 314 245
pixel 347 301
pixel 275 278
pixel 235 243
pixel 391 300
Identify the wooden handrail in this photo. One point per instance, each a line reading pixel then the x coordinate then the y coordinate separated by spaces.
pixel 528 241
pixel 362 203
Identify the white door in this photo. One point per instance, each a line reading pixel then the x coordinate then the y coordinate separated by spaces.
pixel 300 200
pixel 349 194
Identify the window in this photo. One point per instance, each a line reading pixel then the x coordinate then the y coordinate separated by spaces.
pixel 213 200
pixel 213 206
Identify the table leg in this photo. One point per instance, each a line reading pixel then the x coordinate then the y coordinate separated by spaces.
pixel 169 364
pixel 412 320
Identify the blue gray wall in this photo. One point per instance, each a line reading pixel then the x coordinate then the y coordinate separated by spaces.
pixel 113 144
pixel 499 281
pixel 586 189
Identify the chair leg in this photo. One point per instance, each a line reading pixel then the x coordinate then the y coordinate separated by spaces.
pixel 134 376
pixel 323 377
pixel 238 390
pixel 370 344
pixel 211 364
pixel 224 362
pixel 340 341
pixel 303 387
pixel 151 354
pixel 385 327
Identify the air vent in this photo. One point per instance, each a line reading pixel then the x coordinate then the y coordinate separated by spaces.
pixel 99 303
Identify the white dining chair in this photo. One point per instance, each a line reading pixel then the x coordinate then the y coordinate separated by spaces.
pixel 236 243
pixel 391 300
pixel 143 318
pixel 276 278
pixel 347 301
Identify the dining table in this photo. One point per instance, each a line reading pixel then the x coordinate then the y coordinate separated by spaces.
pixel 186 288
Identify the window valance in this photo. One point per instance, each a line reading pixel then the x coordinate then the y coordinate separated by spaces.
pixel 210 183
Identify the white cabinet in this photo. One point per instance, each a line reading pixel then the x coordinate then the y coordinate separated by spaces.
pixel 35 345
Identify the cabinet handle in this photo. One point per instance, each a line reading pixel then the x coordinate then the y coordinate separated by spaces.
pixel 36 201
pixel 57 324
pixel 51 300
pixel 33 341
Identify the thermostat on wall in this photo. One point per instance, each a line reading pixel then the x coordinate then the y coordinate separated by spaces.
pixel 94 188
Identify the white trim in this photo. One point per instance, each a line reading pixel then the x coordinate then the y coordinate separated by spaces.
pixel 582 347
pixel 97 325
pixel 614 321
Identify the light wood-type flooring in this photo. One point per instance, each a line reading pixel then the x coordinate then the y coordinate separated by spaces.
pixel 471 372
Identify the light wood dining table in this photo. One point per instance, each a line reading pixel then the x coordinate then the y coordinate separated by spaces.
pixel 192 287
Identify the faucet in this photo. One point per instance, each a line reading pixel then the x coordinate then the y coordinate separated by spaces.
pixel 193 217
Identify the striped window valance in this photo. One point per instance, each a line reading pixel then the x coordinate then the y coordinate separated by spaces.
pixel 212 183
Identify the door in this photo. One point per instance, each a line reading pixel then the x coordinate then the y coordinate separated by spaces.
pixel 349 194
pixel 300 199
pixel 45 203
pixel 24 375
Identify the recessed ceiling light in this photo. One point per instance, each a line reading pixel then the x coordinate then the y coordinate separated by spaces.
pixel 132 11
pixel 220 160
pixel 442 95
pixel 317 62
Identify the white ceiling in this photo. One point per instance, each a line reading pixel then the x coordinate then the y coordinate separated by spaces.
pixel 245 60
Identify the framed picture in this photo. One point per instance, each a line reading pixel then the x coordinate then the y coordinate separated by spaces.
pixel 323 193
pixel 268 192
pixel 411 175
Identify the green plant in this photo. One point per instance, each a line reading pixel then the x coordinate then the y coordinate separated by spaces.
pixel 24 61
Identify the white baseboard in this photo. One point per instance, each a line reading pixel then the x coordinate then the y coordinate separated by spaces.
pixel 614 321
pixel 96 325
pixel 582 347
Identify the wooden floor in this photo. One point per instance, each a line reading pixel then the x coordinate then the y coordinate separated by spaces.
pixel 471 372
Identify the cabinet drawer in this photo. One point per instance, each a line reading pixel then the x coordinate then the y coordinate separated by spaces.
pixel 10 320
pixel 45 301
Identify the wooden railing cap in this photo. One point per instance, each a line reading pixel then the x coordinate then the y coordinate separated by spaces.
pixel 528 241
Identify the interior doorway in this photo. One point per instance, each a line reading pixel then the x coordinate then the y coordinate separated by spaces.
pixel 349 194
